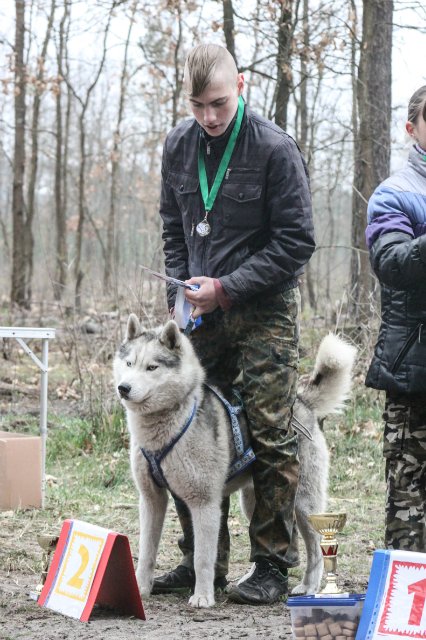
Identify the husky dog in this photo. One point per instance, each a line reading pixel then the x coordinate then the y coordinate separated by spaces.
pixel 181 441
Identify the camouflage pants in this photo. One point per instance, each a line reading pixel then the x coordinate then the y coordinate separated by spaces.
pixel 405 450
pixel 254 347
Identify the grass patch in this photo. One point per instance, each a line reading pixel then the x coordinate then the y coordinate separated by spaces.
pixel 90 479
pixel 103 433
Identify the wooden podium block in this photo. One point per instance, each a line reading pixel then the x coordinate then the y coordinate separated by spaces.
pixel 20 471
pixel 91 565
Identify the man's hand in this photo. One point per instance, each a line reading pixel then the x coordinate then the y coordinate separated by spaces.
pixel 205 298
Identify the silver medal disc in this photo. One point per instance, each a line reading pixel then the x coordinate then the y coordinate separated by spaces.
pixel 203 228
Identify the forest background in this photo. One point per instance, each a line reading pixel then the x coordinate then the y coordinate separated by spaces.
pixel 90 89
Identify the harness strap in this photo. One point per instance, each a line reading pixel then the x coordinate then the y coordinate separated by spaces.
pixel 154 458
pixel 301 428
pixel 233 412
pixel 244 457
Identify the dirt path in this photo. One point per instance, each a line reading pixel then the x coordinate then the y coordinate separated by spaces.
pixel 168 617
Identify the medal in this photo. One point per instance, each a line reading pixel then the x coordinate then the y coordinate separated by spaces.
pixel 203 228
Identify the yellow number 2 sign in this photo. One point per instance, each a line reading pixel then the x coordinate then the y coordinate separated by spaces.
pixel 77 581
pixel 78 569
pixel 79 565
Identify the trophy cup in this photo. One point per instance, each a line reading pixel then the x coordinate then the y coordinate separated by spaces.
pixel 328 524
pixel 48 543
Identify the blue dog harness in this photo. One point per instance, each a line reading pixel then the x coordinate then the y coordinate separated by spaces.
pixel 155 458
pixel 243 458
pixel 244 455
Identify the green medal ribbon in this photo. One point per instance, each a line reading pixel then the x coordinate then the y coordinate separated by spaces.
pixel 203 228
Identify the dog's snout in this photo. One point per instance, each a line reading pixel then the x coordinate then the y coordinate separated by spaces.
pixel 124 390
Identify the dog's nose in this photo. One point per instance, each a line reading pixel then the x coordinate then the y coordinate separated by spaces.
pixel 123 390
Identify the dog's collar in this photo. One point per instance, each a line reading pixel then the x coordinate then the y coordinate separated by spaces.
pixel 154 458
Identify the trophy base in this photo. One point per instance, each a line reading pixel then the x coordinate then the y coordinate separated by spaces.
pixel 331 588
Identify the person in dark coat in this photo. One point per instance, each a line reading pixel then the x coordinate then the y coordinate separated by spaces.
pixel 396 237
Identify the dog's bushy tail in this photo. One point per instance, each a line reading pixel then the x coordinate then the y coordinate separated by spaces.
pixel 331 379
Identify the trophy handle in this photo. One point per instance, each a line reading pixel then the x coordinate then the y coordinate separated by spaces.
pixel 48 544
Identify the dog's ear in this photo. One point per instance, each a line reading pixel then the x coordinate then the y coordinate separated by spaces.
pixel 171 336
pixel 133 327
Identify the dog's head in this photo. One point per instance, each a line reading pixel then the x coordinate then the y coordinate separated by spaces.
pixel 154 370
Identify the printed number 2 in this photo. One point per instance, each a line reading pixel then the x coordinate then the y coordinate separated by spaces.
pixel 76 581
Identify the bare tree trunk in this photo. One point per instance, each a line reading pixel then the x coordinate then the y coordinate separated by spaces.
pixel 79 275
pixel 256 45
pixel 19 271
pixel 82 209
pixel 353 21
pixel 178 72
pixel 111 254
pixel 29 237
pixel 372 146
pixel 228 28
pixel 60 208
pixel 307 283
pixel 284 73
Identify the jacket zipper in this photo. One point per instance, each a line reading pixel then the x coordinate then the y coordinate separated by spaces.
pixel 203 254
pixel 416 334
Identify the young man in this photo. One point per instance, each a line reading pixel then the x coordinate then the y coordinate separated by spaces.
pixel 237 221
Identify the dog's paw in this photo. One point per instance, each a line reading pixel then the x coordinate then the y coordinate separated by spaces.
pixel 201 601
pixel 145 590
pixel 145 586
pixel 303 590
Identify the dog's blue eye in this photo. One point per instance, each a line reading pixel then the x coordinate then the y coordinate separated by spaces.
pixel 129 364
pixel 152 367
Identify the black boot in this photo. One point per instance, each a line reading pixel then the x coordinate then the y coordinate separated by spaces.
pixel 267 584
pixel 182 580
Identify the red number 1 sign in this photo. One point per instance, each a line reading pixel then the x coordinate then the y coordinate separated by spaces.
pixel 395 604
pixel 404 603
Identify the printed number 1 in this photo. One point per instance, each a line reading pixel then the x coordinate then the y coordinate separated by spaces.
pixel 419 590
pixel 76 581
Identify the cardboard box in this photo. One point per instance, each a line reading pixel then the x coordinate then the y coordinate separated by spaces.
pixel 20 470
pixel 326 618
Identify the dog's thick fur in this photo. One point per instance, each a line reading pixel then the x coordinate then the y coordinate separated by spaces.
pixel 159 378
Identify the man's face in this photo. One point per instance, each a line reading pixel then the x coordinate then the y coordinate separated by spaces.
pixel 216 106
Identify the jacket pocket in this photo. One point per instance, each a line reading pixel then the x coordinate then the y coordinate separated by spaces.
pixel 242 205
pixel 415 336
pixel 185 188
pixel 182 183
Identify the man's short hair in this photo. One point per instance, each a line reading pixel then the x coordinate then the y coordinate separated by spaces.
pixel 201 64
